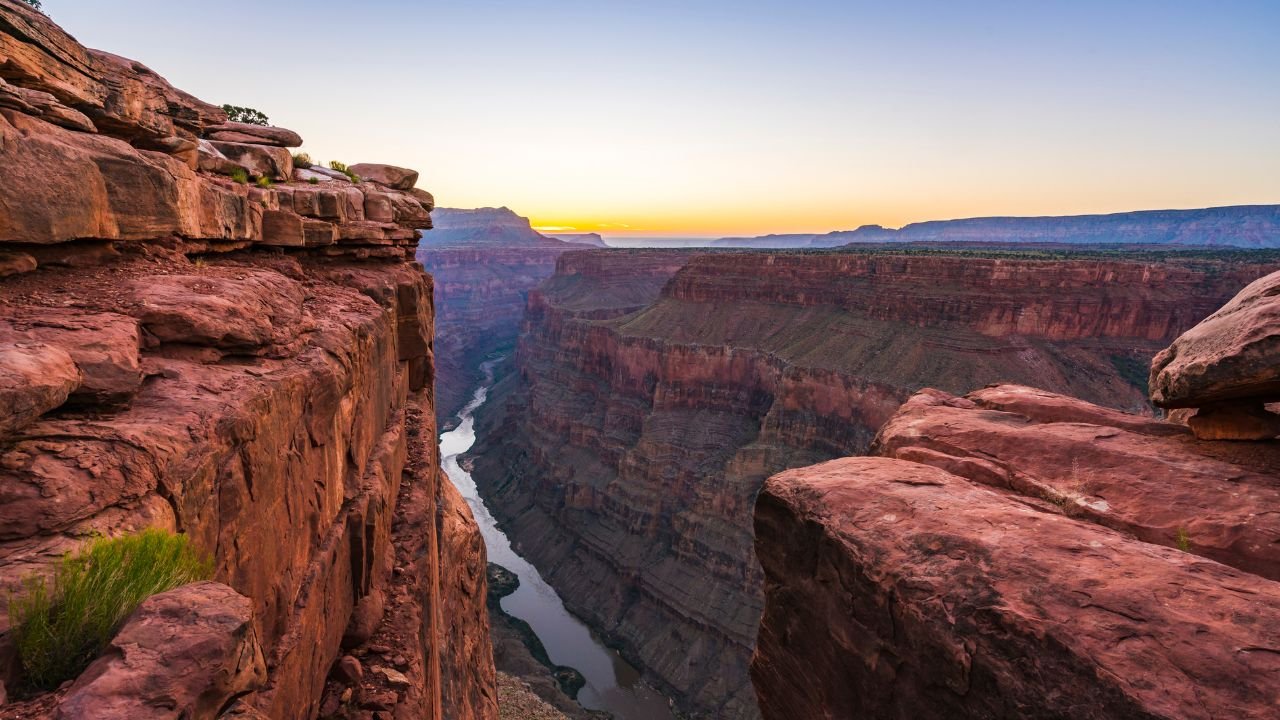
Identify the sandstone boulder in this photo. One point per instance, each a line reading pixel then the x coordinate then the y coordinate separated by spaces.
pixel 1230 356
pixel 119 96
pixel 254 312
pixel 426 199
pixel 211 159
pixel 389 175
pixel 1143 477
pixel 62 185
pixel 260 160
pixel 184 654
pixel 16 263
pixel 34 379
pixel 237 132
pixel 104 347
pixel 895 589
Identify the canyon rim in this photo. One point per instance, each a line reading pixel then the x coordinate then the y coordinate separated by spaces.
pixel 852 361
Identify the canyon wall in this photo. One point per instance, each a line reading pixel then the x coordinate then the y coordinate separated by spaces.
pixel 485 262
pixel 248 364
pixel 655 392
pixel 1016 553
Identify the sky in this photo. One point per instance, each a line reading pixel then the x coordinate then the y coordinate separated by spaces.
pixel 711 117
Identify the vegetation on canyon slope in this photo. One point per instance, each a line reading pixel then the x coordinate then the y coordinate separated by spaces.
pixel 61 625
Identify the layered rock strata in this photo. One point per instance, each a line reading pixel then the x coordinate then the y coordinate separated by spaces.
pixel 485 262
pixel 247 364
pixel 655 392
pixel 1016 553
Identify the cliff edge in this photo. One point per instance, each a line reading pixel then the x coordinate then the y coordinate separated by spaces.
pixel 1016 553
pixel 200 335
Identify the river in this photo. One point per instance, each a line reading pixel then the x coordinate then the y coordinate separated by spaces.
pixel 613 684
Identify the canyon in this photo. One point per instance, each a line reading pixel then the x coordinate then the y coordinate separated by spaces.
pixel 485 262
pixel 968 570
pixel 652 392
pixel 248 364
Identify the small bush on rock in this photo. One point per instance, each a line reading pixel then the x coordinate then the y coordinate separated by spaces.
pixel 60 624
pixel 240 175
pixel 264 182
pixel 33 3
pixel 342 168
pixel 235 113
pixel 302 160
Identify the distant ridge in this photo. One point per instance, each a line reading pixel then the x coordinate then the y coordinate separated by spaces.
pixel 487 227
pixel 1240 226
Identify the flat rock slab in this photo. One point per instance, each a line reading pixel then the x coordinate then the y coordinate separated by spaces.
pixel 388 175
pixel 1130 473
pixel 895 589
pixel 254 312
pixel 104 347
pixel 34 379
pixel 184 654
pixel 256 134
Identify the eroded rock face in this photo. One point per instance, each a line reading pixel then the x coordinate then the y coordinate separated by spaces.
pixel 485 262
pixel 900 590
pixel 654 393
pixel 166 361
pixel 1017 553
pixel 183 654
pixel 1226 367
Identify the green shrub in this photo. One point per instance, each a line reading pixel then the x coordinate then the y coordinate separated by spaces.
pixel 240 175
pixel 33 3
pixel 60 625
pixel 302 160
pixel 264 182
pixel 235 113
pixel 313 181
pixel 1183 539
pixel 342 168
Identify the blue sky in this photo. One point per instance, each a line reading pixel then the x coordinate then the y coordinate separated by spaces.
pixel 748 117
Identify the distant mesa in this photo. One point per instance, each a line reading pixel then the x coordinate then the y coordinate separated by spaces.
pixel 1243 226
pixel 591 239
pixel 486 227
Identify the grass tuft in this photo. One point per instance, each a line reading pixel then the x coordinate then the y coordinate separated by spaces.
pixel 264 182
pixel 342 168
pixel 240 175
pixel 302 160
pixel 61 624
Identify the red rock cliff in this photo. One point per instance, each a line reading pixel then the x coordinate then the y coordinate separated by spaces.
pixel 626 455
pixel 1015 553
pixel 249 365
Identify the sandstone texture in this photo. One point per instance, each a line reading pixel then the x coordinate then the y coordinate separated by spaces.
pixel 484 262
pixel 654 391
pixel 1226 368
pixel 901 590
pixel 251 366
pixel 184 653
pixel 1017 553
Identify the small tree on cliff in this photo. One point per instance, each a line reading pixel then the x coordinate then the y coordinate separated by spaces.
pixel 34 3
pixel 235 113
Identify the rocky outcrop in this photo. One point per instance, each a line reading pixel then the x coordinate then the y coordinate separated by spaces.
pixel 250 365
pixel 1243 226
pixel 653 397
pixel 901 590
pixel 1225 368
pixel 185 653
pixel 485 262
pixel 1017 553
